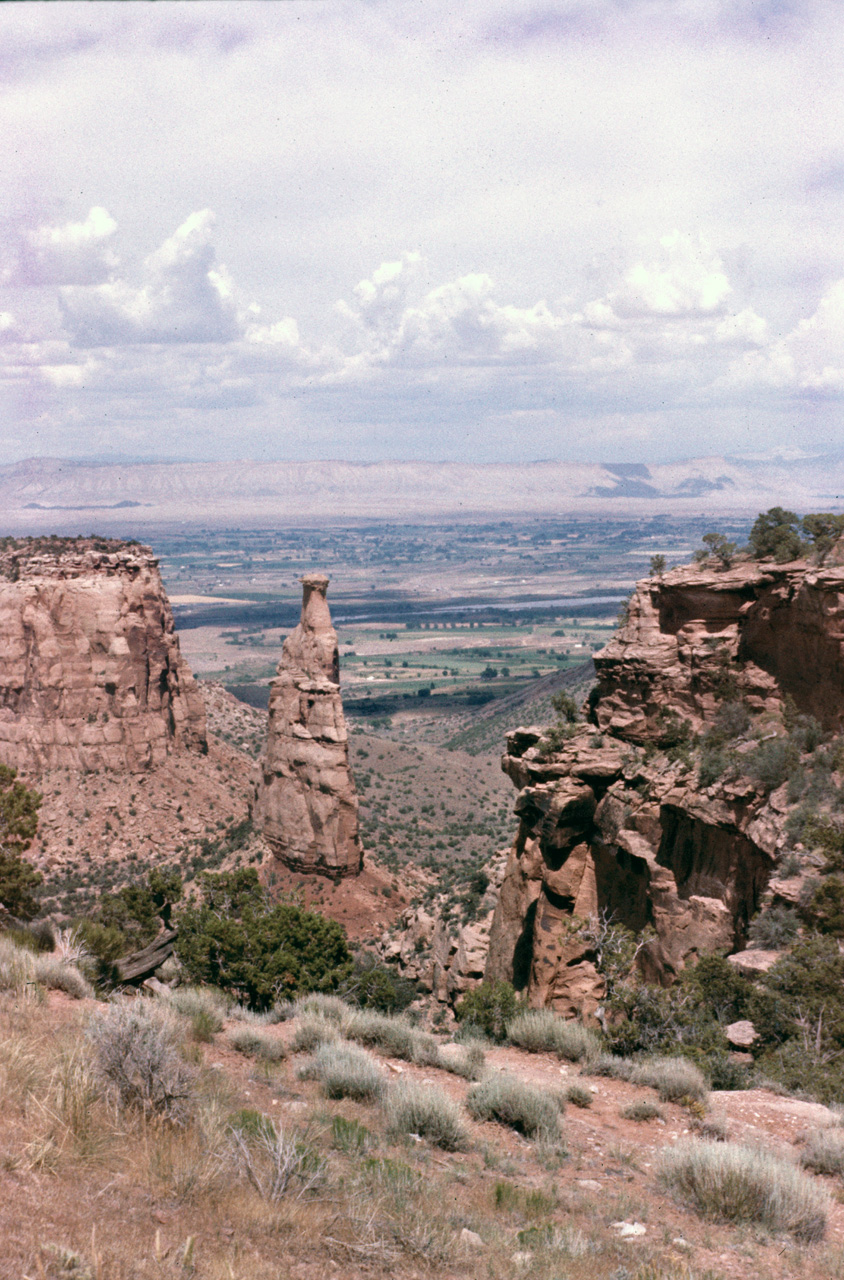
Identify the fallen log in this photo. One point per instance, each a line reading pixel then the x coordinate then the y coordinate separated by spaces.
pixel 140 964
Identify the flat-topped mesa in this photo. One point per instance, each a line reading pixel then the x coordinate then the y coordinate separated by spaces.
pixel 91 676
pixel 305 802
pixel 698 637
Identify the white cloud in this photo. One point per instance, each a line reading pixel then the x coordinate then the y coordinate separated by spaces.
pixel 76 253
pixel 809 358
pixel 185 297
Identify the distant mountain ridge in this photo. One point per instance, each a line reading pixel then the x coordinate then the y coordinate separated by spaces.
pixel 42 494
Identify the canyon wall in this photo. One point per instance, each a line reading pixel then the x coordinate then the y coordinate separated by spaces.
pixel 615 825
pixel 91 676
pixel 305 802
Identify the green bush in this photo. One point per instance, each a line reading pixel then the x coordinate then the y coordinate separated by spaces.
pixel 234 939
pixel 488 1008
pixel 775 928
pixel 771 763
pixel 372 985
pixel 520 1106
pixel 543 1031
pixel 774 536
pixel 428 1112
pixel 18 824
pixel 731 1183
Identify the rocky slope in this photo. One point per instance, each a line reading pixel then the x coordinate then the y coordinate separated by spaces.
pixel 636 819
pixel 305 803
pixel 91 676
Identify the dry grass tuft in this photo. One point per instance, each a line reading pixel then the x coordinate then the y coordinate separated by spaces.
pixel 732 1183
pixel 675 1079
pixel 543 1031
pixel 423 1110
pixel 520 1106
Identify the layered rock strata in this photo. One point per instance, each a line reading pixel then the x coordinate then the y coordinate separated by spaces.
pixel 615 826
pixel 305 801
pixel 91 676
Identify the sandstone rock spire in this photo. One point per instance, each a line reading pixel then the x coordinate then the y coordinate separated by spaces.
pixel 91 676
pixel 305 803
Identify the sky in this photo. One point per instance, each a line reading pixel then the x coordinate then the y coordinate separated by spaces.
pixel 492 231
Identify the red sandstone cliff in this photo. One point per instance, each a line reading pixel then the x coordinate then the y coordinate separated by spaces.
pixel 616 823
pixel 91 676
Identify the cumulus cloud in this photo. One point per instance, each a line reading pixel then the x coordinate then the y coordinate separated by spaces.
pixel 76 253
pixel 185 296
pixel 686 278
pixel 809 359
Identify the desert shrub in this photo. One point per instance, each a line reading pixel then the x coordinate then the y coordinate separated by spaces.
pixel 774 928
pixel 643 1110
pixel 609 1066
pixel 675 1079
pixel 18 824
pixel 520 1106
pixel 578 1096
pixel 469 1061
pixel 824 907
pixel 313 1031
pixel 823 1151
pixel 277 1164
pixel 488 1008
pixel 714 762
pixel 543 1031
pixel 20 968
pixel 333 1008
pixel 205 1009
pixel 136 1051
pixel 345 1071
pixel 394 1037
pixel 771 762
pixel 373 985
pixel 234 939
pixel 428 1112
pixel 732 1183
pixel 254 1043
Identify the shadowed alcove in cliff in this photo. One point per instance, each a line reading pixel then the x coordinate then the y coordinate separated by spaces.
pixel 710 861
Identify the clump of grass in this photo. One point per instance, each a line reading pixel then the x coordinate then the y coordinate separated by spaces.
pixel 351 1136
pixel 323 1006
pixel 543 1031
pixel 428 1112
pixel 469 1062
pixel 520 1106
pixel 823 1151
pixel 609 1066
pixel 394 1037
pixel 643 1110
pixel 675 1079
pixel 21 969
pixel 313 1031
pixel 203 1007
pixel 253 1043
pixel 345 1071
pixel 578 1096
pixel 136 1051
pixel 731 1183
